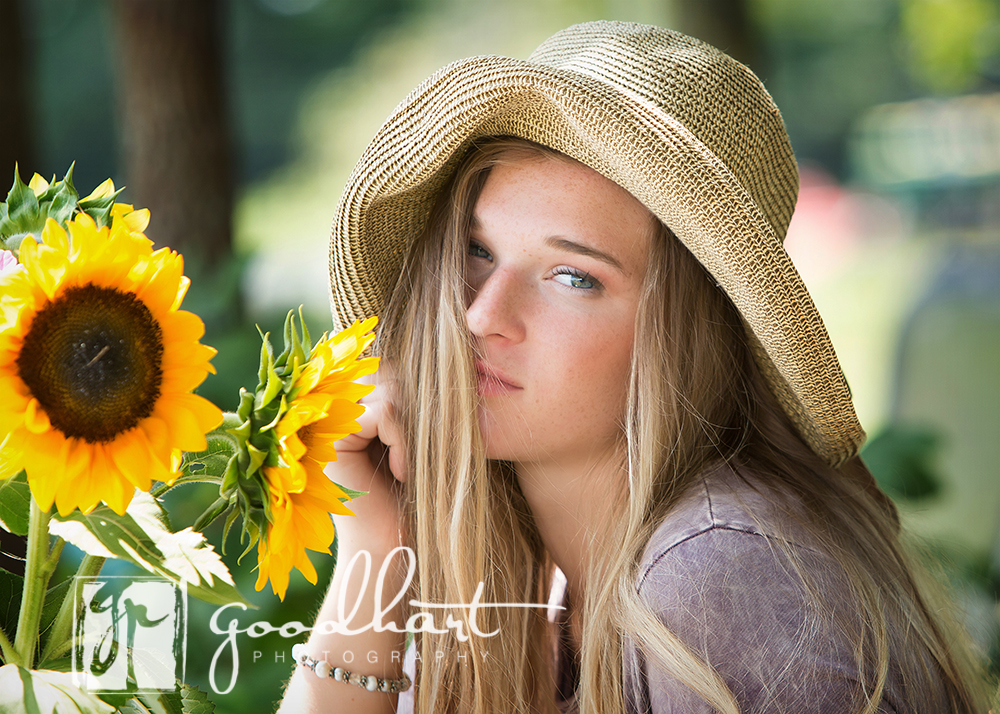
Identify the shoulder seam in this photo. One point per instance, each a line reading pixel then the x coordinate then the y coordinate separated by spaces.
pixel 711 528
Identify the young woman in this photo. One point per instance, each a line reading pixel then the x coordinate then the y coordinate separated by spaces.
pixel 600 368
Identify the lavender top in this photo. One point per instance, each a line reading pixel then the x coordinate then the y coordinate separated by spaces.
pixel 715 577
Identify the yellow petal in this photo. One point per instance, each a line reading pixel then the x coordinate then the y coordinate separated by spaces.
pixel 38 185
pixel 182 379
pixel 11 455
pixel 158 437
pixel 35 419
pixel 162 287
pixel 137 221
pixel 44 460
pixel 132 457
pixel 103 191
pixel 45 265
pixel 188 417
pixel 12 403
pixel 182 326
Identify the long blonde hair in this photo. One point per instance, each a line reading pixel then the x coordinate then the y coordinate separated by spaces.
pixel 695 397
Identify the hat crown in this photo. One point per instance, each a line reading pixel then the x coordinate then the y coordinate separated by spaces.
pixel 717 99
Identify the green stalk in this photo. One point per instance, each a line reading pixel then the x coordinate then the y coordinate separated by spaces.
pixel 36 580
pixel 59 638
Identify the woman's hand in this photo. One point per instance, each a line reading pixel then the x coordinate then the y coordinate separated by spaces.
pixel 373 460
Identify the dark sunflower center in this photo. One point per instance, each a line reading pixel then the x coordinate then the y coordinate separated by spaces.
pixel 92 358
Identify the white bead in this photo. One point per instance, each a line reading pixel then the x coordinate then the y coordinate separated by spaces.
pixel 385 685
pixel 322 669
pixel 372 684
pixel 297 652
pixel 338 674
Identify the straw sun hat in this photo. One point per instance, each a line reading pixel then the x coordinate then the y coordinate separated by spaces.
pixel 683 127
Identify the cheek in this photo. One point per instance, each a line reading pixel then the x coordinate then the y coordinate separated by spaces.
pixel 596 370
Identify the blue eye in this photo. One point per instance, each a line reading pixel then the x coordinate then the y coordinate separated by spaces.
pixel 578 279
pixel 478 251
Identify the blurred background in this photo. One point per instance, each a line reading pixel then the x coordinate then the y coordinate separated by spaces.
pixel 237 123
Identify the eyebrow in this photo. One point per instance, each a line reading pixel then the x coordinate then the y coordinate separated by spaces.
pixel 580 249
pixel 571 247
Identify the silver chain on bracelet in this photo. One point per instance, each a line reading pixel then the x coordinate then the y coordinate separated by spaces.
pixel 323 669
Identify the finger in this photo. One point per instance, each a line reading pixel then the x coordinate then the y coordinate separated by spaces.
pixel 390 434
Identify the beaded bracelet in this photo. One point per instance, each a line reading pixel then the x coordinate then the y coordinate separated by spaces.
pixel 322 669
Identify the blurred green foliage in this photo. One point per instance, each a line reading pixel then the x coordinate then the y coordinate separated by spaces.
pixel 949 42
pixel 901 457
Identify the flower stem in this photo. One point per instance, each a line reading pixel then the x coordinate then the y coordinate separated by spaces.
pixel 36 579
pixel 59 637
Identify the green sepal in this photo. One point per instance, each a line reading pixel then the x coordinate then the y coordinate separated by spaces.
pixel 246 405
pixel 230 479
pixel 282 408
pixel 230 519
pixel 273 386
pixel 257 458
pixel 23 214
pixel 62 198
pixel 266 355
pixel 100 208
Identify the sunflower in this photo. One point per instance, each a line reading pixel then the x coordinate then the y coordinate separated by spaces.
pixel 322 409
pixel 97 363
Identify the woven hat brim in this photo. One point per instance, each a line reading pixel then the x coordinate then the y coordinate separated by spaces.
pixel 633 143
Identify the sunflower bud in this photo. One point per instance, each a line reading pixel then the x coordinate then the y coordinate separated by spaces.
pixel 275 480
pixel 29 206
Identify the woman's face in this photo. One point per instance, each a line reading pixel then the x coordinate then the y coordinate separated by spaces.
pixel 556 259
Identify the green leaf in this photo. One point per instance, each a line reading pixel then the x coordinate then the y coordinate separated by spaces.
pixel 147 702
pixel 142 538
pixel 352 494
pixel 45 692
pixel 901 458
pixel 110 536
pixel 54 597
pixel 11 587
pixel 185 699
pixel 210 464
pixel 195 701
pixel 15 502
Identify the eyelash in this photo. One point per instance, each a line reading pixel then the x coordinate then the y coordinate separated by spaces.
pixel 596 284
pixel 582 275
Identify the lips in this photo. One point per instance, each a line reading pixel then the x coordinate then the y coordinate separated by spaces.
pixel 492 381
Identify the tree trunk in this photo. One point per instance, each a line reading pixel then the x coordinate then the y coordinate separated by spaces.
pixel 724 24
pixel 16 141
pixel 176 149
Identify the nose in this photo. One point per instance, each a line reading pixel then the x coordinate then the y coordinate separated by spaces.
pixel 496 307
